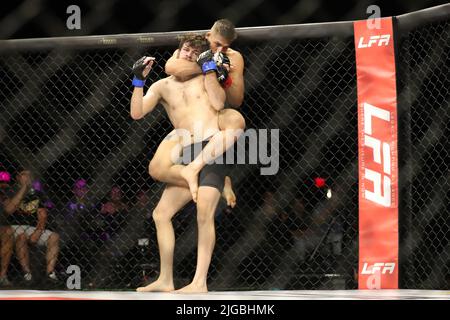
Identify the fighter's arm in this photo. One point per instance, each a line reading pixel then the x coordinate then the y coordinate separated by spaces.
pixel 235 93
pixel 216 93
pixel 141 105
pixel 181 68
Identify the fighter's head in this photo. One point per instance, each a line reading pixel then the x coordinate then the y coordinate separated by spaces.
pixel 191 46
pixel 221 35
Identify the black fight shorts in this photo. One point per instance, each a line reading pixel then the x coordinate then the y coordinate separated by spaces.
pixel 212 175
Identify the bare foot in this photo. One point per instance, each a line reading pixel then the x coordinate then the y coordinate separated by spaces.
pixel 191 288
pixel 229 196
pixel 157 286
pixel 191 176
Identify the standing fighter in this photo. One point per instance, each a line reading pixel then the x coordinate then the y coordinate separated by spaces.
pixel 195 100
pixel 231 123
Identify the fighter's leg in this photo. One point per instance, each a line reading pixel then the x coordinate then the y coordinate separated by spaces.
pixel 162 167
pixel 208 198
pixel 172 200
pixel 231 125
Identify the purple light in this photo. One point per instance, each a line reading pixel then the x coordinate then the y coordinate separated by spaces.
pixel 49 204
pixel 37 185
pixel 80 183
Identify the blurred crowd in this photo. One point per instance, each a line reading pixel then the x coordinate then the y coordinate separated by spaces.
pixel 113 240
pixel 77 232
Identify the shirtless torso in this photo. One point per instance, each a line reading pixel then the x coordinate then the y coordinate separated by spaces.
pixel 187 104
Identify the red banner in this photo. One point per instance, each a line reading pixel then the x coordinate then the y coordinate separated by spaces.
pixel 377 152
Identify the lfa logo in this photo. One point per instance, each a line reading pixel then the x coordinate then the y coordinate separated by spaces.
pixel 381 40
pixel 74 20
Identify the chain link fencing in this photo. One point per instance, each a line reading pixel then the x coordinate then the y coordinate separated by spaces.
pixel 424 82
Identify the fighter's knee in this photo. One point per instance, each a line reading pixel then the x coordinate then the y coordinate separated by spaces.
pixel 231 119
pixel 204 219
pixel 159 216
pixel 155 171
pixel 205 213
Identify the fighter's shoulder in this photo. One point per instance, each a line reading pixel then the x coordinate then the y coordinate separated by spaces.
pixel 175 53
pixel 235 56
pixel 233 53
pixel 160 86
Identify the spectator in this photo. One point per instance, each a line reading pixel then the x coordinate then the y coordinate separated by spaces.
pixel 109 240
pixel 80 200
pixel 27 215
pixel 142 208
pixel 137 243
pixel 320 228
pixel 78 227
pixel 261 262
pixel 280 232
pixel 6 232
pixel 37 185
pixel 101 225
pixel 300 226
pixel 113 213
pixel 268 207
pixel 79 213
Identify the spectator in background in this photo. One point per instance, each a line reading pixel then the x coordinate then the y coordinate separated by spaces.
pixel 27 215
pixel 113 213
pixel 6 232
pixel 142 208
pixel 141 213
pixel 278 238
pixel 80 201
pixel 79 212
pixel 110 238
pixel 321 227
pixel 299 226
pixel 143 204
pixel 268 206
pixel 280 233
pixel 38 186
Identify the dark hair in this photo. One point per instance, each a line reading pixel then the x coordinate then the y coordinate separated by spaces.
pixel 225 28
pixel 194 40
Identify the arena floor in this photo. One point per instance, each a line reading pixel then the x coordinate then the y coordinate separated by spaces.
pixel 231 295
